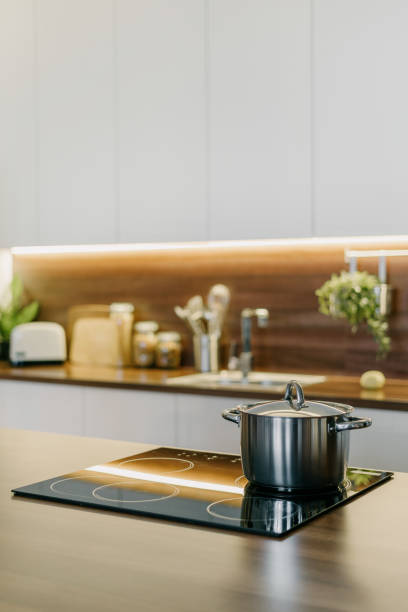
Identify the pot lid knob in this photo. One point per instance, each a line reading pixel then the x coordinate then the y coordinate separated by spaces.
pixel 300 398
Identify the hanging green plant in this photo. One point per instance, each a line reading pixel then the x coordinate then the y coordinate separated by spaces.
pixel 352 296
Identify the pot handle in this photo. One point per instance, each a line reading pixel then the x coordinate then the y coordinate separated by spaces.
pixel 300 398
pixel 232 414
pixel 352 423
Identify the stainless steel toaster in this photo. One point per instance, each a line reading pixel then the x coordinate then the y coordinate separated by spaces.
pixel 38 342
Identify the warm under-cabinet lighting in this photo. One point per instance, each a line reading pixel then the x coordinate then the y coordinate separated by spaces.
pixel 216 244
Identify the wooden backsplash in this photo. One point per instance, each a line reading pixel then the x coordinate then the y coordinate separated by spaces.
pixel 279 275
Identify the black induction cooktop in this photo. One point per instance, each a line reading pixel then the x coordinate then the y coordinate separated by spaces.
pixel 195 487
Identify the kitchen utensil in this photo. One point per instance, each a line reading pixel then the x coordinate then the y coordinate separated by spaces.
pixel 195 309
pixel 195 304
pixel 206 326
pixel 199 322
pixel 38 342
pixel 218 300
pixel 192 314
pixel 183 314
pixel 206 352
pixel 293 445
pixel 95 341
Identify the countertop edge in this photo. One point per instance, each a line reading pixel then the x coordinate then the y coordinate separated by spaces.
pixel 372 399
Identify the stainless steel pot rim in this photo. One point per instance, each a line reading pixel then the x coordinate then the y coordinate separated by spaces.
pixel 296 407
pixel 286 410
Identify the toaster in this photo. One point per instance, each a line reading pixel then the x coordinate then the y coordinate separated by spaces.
pixel 38 342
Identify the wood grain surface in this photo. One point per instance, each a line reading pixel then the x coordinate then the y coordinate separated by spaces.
pixel 56 557
pixel 281 276
pixel 345 389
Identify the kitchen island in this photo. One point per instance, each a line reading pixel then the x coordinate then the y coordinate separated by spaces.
pixel 57 557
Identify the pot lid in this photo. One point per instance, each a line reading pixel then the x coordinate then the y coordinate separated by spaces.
pixel 297 407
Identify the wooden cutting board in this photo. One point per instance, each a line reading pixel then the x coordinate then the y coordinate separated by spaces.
pixel 95 341
pixel 85 311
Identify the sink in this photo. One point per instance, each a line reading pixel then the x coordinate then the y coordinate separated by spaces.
pixel 256 380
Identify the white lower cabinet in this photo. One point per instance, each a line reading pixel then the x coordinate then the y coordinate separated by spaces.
pixel 140 416
pixel 41 407
pixel 384 444
pixel 184 420
pixel 200 425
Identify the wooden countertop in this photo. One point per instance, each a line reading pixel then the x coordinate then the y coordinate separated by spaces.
pixel 345 389
pixel 57 557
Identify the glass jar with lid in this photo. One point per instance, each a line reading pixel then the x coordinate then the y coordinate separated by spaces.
pixel 144 343
pixel 122 314
pixel 168 350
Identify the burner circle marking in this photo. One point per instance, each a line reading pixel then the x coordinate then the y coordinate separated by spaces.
pixel 223 516
pixel 55 484
pixel 173 491
pixel 210 510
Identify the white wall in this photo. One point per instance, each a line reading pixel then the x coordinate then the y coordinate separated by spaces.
pixel 150 120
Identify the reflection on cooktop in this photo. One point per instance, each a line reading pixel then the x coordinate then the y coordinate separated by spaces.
pixel 195 487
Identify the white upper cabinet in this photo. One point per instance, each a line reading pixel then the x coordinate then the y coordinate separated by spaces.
pixel 259 118
pixel 18 194
pixel 360 116
pixel 161 120
pixel 75 82
pixel 151 120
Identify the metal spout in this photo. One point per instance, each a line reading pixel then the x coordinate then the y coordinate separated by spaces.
pixel 262 315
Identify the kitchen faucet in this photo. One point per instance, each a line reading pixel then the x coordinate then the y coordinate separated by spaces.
pixel 245 360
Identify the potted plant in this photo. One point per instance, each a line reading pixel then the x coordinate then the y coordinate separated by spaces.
pixel 352 296
pixel 12 313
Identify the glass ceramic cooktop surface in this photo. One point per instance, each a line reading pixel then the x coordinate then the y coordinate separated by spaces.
pixel 195 487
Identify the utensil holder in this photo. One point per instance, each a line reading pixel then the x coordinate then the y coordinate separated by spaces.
pixel 206 352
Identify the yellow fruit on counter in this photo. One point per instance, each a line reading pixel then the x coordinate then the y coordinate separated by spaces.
pixel 372 379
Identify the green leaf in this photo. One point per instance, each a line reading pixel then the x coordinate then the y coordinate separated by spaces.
pixel 16 288
pixel 27 314
pixel 7 322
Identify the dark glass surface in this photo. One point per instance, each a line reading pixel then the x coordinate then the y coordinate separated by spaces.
pixel 195 487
